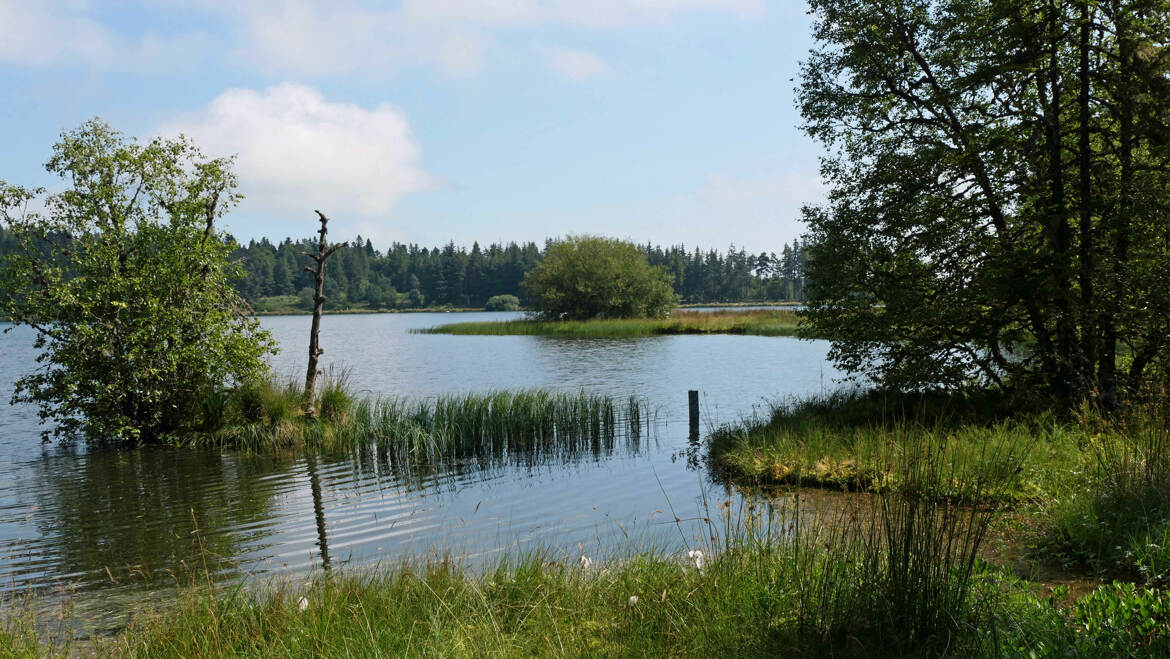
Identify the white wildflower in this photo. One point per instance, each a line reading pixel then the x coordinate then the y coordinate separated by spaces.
pixel 303 604
pixel 586 562
pixel 696 556
pixel 633 600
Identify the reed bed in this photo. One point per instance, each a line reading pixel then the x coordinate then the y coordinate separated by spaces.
pixel 768 322
pixel 502 426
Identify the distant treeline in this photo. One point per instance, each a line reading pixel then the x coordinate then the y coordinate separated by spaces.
pixel 410 276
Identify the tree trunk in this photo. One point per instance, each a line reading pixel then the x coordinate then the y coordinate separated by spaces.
pixel 323 252
pixel 1089 337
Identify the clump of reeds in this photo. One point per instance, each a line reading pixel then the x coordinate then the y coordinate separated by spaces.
pixel 515 426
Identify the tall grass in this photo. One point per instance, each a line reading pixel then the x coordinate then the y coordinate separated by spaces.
pixel 754 322
pixel 512 426
pixel 1118 521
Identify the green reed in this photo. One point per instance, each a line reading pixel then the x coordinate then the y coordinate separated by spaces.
pixel 495 426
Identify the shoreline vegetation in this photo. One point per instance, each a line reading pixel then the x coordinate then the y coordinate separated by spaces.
pixel 767 322
pixel 899 572
pixel 268 415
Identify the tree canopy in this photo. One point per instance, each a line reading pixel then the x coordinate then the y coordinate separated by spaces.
pixel 126 280
pixel 999 183
pixel 583 277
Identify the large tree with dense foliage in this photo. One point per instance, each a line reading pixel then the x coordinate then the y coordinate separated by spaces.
pixel 127 282
pixel 584 277
pixel 999 185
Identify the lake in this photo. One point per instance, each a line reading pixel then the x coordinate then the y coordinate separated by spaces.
pixel 108 528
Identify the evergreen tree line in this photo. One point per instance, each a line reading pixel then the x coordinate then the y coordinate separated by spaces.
pixel 410 276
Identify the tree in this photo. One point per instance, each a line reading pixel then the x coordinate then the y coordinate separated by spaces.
pixel 324 251
pixel 127 282
pixel 502 303
pixel 998 174
pixel 585 277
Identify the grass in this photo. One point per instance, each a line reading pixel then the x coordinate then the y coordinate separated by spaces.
pixel 896 575
pixel 769 322
pixel 855 441
pixel 1117 521
pixel 487 428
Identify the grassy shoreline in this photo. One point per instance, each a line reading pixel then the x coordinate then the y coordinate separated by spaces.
pixel 895 575
pixel 756 322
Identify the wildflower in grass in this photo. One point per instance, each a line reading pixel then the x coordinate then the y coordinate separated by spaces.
pixel 633 600
pixel 586 562
pixel 303 603
pixel 696 556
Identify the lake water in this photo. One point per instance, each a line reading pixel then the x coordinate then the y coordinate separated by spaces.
pixel 110 527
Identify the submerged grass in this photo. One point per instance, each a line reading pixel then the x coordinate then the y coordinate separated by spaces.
pixel 766 322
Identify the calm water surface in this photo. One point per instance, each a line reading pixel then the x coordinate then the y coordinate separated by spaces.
pixel 112 526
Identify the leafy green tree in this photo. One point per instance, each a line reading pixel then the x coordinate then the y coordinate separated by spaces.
pixel 998 172
pixel 127 282
pixel 585 277
pixel 503 303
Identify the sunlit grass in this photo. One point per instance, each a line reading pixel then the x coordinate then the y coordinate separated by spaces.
pixel 769 322
pixel 485 427
pixel 857 441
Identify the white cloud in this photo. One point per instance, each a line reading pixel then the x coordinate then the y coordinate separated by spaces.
pixel 297 151
pixel 39 34
pixel 45 33
pixel 316 37
pixel 573 64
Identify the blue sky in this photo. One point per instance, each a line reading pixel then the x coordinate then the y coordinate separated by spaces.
pixel 669 121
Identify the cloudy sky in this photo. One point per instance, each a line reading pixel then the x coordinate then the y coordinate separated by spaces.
pixel 429 120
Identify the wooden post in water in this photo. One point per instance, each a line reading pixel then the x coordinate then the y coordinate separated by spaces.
pixel 693 400
pixel 324 251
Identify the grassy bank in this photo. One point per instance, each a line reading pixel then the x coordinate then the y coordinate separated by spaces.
pixel 1092 492
pixel 852 441
pixel 768 322
pixel 485 427
pixel 897 577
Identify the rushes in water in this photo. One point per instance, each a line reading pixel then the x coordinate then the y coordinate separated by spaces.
pixel 515 425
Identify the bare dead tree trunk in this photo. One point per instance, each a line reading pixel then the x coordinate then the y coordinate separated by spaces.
pixel 324 251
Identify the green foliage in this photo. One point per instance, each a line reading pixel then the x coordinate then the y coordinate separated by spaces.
pixel 1122 620
pixel 584 277
pixel 996 171
pixel 1118 520
pixel 502 303
pixel 127 282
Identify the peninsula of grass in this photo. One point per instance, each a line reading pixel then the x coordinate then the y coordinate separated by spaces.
pixel 852 441
pixel 758 322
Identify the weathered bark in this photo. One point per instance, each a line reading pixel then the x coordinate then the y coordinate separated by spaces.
pixel 324 251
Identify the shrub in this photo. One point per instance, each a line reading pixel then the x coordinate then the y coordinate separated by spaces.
pixel 503 303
